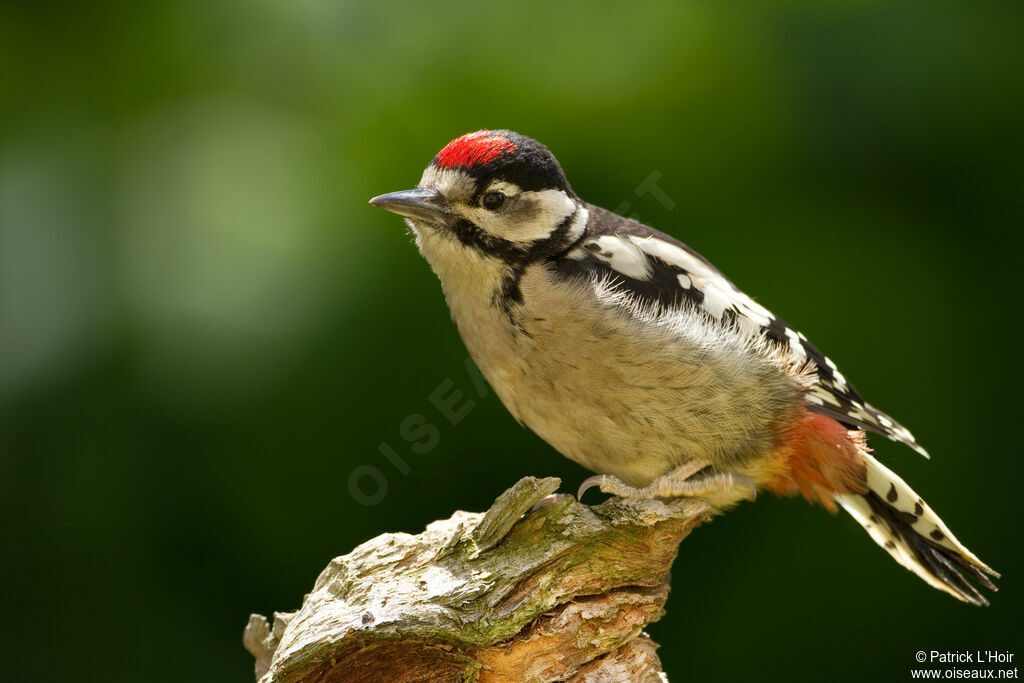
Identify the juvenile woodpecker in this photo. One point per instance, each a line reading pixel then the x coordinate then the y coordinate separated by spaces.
pixel 631 354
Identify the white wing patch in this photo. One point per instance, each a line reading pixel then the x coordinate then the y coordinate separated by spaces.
pixel 667 272
pixel 794 343
pixel 719 293
pixel 622 256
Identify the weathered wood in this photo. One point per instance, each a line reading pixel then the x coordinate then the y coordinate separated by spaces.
pixel 562 594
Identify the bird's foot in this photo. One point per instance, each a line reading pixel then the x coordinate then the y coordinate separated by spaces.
pixel 686 481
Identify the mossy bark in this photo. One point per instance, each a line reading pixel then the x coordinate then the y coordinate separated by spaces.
pixel 560 594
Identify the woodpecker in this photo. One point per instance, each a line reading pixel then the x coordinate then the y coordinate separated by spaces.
pixel 633 355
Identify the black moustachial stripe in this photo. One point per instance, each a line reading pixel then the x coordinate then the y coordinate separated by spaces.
pixel 514 253
pixel 554 244
pixel 472 236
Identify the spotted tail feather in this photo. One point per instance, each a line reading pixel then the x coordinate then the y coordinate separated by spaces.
pixel 900 521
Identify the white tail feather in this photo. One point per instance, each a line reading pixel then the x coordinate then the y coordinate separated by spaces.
pixel 900 521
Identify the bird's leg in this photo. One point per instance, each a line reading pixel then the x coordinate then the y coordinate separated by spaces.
pixel 682 482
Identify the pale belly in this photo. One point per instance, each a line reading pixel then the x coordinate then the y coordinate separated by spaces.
pixel 636 401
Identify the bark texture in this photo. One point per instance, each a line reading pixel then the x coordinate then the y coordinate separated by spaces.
pixel 560 594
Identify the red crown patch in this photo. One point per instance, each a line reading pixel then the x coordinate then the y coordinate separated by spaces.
pixel 474 149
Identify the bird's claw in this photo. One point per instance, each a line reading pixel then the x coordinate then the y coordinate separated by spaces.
pixel 597 480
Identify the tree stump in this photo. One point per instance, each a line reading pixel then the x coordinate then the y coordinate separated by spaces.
pixel 560 594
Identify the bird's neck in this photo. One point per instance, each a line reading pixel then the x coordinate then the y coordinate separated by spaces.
pixel 483 290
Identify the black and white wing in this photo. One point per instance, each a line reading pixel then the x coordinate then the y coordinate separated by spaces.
pixel 663 271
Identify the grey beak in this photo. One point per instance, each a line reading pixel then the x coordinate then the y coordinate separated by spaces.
pixel 425 205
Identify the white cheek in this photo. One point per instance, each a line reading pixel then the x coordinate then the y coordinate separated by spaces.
pixel 553 206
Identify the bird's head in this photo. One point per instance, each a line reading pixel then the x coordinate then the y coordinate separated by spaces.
pixel 493 196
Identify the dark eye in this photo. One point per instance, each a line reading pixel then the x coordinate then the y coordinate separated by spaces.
pixel 492 201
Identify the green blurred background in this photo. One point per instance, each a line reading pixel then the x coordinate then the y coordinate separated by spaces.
pixel 205 330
